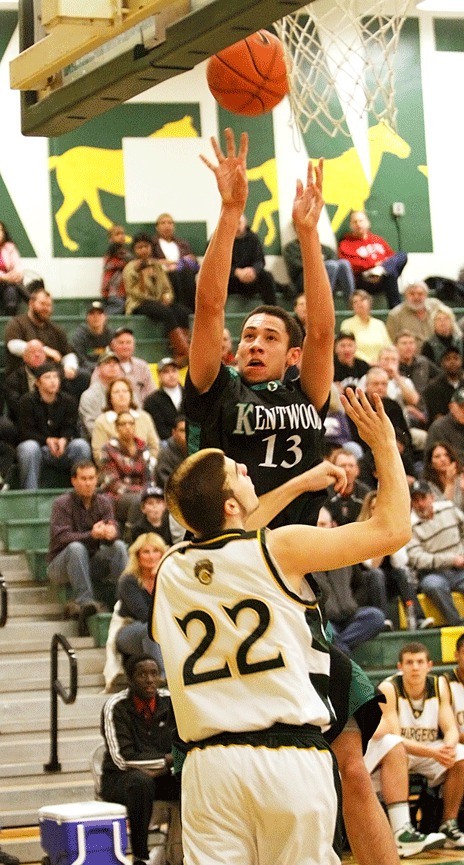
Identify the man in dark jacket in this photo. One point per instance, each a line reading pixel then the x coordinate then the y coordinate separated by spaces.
pixel 247 273
pixel 174 452
pixel 137 725
pixel 47 428
pixel 165 403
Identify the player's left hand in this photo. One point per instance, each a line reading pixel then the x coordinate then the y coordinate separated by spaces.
pixel 308 201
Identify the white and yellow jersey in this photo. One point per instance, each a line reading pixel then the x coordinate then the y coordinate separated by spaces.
pixel 456 686
pixel 241 650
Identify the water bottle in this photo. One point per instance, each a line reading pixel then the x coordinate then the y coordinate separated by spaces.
pixel 411 616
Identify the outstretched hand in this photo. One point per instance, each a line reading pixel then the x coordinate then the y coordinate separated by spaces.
pixel 372 423
pixel 308 201
pixel 230 172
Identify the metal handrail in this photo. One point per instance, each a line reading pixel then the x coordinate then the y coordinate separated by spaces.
pixel 58 689
pixel 3 602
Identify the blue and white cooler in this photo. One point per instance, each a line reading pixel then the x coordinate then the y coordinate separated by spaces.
pixel 93 833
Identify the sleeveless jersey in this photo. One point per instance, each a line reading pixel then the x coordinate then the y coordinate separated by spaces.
pixel 456 685
pixel 419 724
pixel 271 427
pixel 238 652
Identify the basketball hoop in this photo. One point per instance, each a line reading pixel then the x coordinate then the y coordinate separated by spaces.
pixel 340 57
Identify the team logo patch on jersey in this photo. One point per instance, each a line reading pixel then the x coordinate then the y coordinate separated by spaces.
pixel 204 571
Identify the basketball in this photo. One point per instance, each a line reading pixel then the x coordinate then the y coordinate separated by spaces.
pixel 249 77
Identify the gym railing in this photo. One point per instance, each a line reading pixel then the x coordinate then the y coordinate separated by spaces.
pixel 57 689
pixel 3 602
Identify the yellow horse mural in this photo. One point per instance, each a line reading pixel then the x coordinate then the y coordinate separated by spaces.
pixel 345 184
pixel 267 172
pixel 82 172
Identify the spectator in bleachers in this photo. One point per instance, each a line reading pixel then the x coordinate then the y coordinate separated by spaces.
pixel 415 313
pixel 125 470
pixel 348 369
pixel 436 549
pixel 444 474
pixel 338 270
pixel 135 590
pixel 402 390
pixel 11 274
pixel 36 323
pixel 120 398
pixel 173 453
pixel 413 365
pixel 449 428
pixel 376 266
pixel 83 538
pixel 22 380
pixel 48 429
pixel 369 332
pixel 93 400
pixel 164 404
pixel 137 726
pixel 116 257
pixel 417 734
pixel 134 368
pixel 345 506
pixel 299 311
pixel 438 393
pixel 154 516
pixel 337 433
pixel 443 336
pixel 248 275
pixel 177 258
pixel 91 339
pixel 228 354
pixel 352 624
pixel 149 293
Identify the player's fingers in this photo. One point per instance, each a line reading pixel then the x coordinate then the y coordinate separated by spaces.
pixel 299 189
pixel 243 148
pixel 230 141
pixel 207 162
pixel 217 150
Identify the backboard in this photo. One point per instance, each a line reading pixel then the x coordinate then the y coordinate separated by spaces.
pixel 159 40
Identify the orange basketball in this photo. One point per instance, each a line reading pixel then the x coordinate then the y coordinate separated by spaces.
pixel 249 77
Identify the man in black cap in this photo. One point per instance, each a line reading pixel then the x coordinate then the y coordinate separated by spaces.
pixel 438 393
pixel 47 428
pixel 166 403
pixel 91 339
pixel 436 549
pixel 134 368
pixel 154 517
pixel 450 428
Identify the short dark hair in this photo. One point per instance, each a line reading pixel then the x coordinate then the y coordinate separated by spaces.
pixel 460 641
pixel 36 287
pixel 132 661
pixel 142 237
pixel 413 649
pixel 345 334
pixel 82 464
pixel 196 492
pixel 294 332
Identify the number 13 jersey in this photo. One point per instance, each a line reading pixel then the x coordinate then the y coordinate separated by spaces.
pixel 238 652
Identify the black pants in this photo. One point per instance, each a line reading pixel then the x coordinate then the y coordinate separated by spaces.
pixel 171 316
pixel 9 298
pixel 137 792
pixel 263 285
pixel 184 286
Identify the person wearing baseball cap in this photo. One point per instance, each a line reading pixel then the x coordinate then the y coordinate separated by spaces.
pixel 450 428
pixel 165 403
pixel 436 549
pixel 154 515
pixel 91 339
pixel 439 391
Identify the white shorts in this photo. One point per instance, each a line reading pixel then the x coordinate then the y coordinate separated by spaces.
pixel 426 766
pixel 244 805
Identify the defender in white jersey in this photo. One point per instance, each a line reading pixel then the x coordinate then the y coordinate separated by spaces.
pixel 248 678
pixel 418 718
pixel 455 681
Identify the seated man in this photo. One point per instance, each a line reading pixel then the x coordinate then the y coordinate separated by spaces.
pixel 441 389
pixel 83 536
pixel 137 725
pixel 247 274
pixel 455 682
pixel 338 270
pixel 436 549
pixel 165 403
pixel 174 452
pixel 376 266
pixel 418 717
pixel 47 428
pixel 351 624
pixel 348 369
pixel 93 400
pixel 416 313
pixel 344 507
pixel 92 338
pixel 177 259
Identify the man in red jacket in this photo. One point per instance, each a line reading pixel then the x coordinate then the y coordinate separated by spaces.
pixel 376 266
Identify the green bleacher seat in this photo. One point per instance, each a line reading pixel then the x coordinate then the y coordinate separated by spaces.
pixel 25 534
pixel 27 504
pixel 383 650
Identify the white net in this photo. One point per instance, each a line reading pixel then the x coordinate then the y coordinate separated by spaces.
pixel 340 58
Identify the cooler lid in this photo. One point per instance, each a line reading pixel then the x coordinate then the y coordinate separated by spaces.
pixel 82 811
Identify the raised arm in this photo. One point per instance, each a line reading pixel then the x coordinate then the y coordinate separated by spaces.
pixel 211 293
pixel 299 549
pixel 317 356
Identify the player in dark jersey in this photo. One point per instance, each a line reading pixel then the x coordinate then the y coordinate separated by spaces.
pixel 276 429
